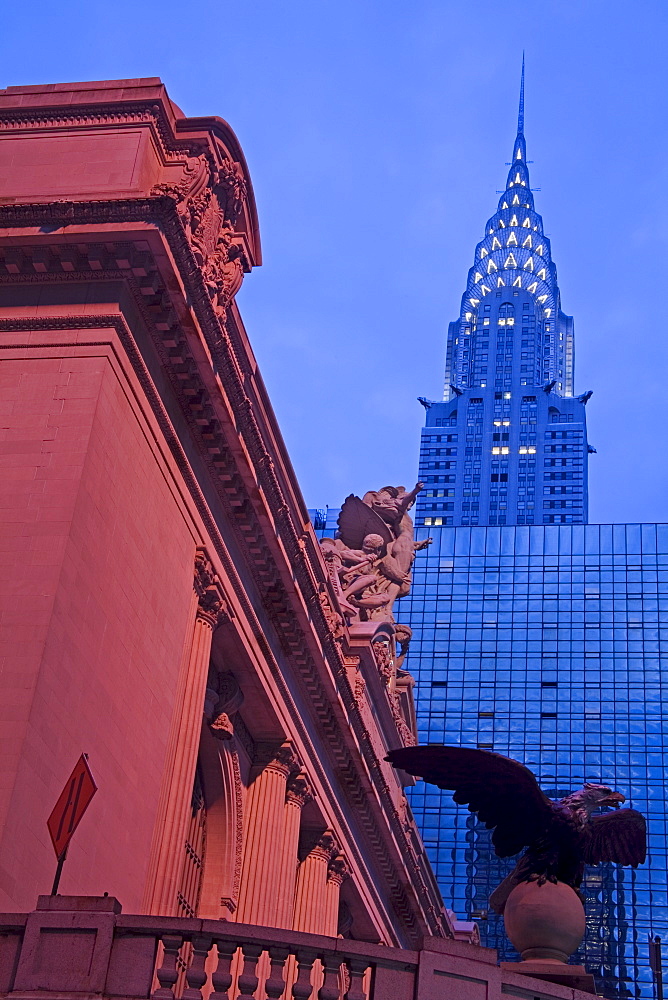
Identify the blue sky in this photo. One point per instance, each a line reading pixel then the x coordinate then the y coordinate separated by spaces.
pixel 377 133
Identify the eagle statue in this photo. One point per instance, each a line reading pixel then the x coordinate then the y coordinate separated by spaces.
pixel 560 837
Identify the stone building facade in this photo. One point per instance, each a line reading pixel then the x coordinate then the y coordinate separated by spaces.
pixel 165 607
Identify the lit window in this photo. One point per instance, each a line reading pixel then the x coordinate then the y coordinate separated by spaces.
pixel 491 266
pixel 483 253
pixel 542 273
pixel 519 154
pixel 517 283
pixel 516 200
pixel 539 249
pixel 485 321
pixel 548 313
pixel 512 240
pixel 532 287
pixel 500 282
pixel 484 289
pixel 474 302
pixel 502 224
pixel 527 242
pixel 510 261
pixel 513 221
pixel 495 244
pixel 505 205
pixel 529 264
pixel 527 224
pixel 518 179
pixel 437 520
pixel 478 276
pixel 510 321
pixel 491 231
pixel 467 316
pixel 428 520
pixel 541 299
pixel 506 395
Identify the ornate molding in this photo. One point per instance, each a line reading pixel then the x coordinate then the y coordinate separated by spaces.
pixel 272 756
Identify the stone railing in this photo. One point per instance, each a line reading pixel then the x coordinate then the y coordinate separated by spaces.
pixel 78 946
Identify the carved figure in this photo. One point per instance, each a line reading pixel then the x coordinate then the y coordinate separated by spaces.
pixel 560 837
pixel 372 555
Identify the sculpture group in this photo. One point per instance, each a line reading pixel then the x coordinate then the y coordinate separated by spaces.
pixel 370 558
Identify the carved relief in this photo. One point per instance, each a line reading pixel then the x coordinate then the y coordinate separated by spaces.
pixel 211 603
pixel 333 619
pixel 383 655
pixel 230 902
pixel 208 202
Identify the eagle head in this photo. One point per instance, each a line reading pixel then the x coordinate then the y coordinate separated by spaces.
pixel 592 797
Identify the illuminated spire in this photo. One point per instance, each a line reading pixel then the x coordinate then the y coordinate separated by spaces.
pixel 520 115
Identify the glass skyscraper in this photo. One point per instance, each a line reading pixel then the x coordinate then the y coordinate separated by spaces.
pixel 509 443
pixel 546 644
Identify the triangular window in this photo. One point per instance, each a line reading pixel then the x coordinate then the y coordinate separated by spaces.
pixel 527 241
pixel 510 261
pixel 532 287
pixel 541 299
pixel 541 273
pixel 491 266
pixel 500 282
pixel 474 302
pixel 529 264
pixel 502 224
pixel 512 240
pixel 513 221
pixel 539 249
pixel 505 205
pixel 478 276
pixel 516 200
pixel 517 283
pixel 527 224
pixel 484 289
pixel 495 244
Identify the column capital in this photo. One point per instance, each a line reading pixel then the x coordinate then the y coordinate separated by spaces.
pixel 338 870
pixel 299 790
pixel 281 757
pixel 211 604
pixel 326 846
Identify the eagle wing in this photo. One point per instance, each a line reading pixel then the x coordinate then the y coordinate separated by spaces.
pixel 619 836
pixel 357 520
pixel 503 792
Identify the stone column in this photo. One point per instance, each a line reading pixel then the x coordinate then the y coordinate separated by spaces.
pixel 311 891
pixel 337 873
pixel 263 834
pixel 172 821
pixel 298 794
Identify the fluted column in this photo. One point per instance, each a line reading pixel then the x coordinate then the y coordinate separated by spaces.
pixel 297 795
pixel 337 873
pixel 311 891
pixel 172 821
pixel 263 835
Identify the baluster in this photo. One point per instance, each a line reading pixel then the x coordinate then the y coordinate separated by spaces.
pixel 330 986
pixel 247 981
pixel 221 977
pixel 275 983
pixel 357 967
pixel 301 988
pixel 196 973
pixel 167 974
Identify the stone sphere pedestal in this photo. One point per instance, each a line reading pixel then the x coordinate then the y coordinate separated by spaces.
pixel 546 923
